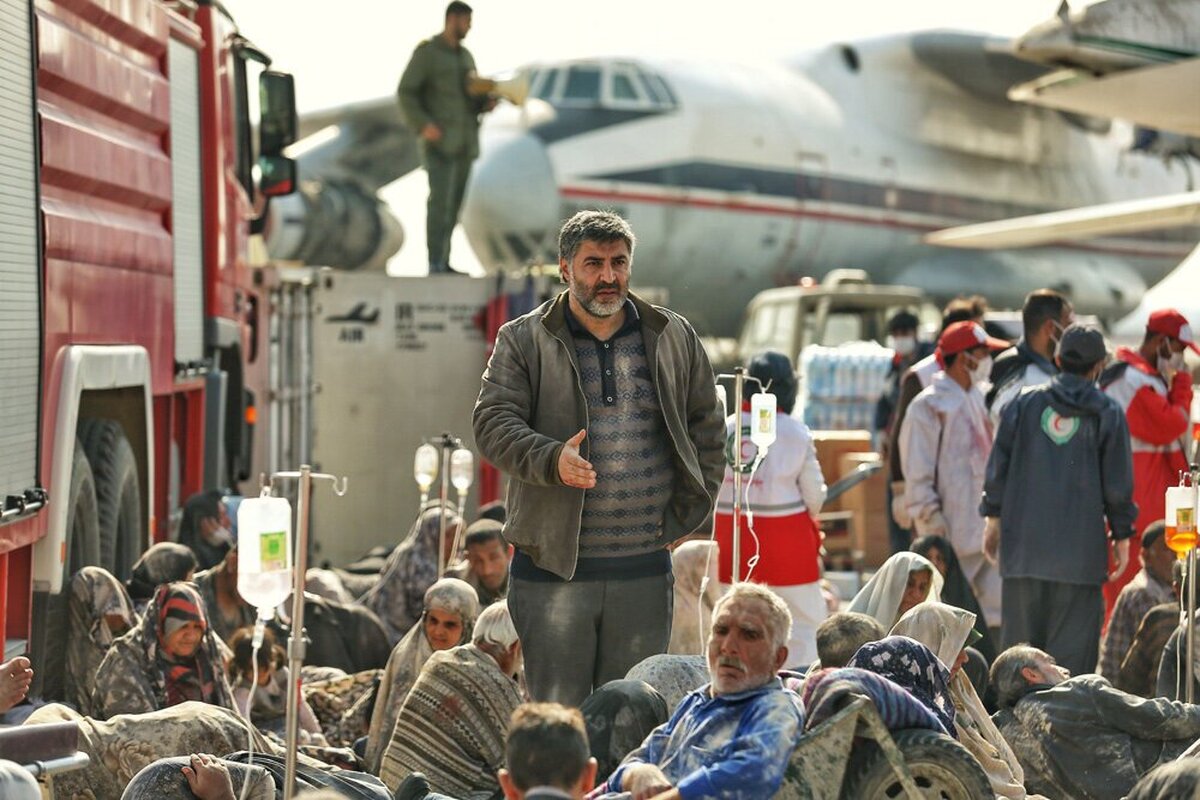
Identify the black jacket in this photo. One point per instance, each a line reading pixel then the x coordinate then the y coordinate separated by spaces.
pixel 1061 464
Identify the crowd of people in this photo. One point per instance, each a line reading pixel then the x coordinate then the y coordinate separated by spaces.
pixel 593 637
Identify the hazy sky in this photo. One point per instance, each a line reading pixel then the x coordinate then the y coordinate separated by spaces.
pixel 356 49
pixel 350 50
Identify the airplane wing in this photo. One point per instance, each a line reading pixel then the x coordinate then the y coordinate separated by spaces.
pixel 366 142
pixel 1132 59
pixel 1165 96
pixel 1109 219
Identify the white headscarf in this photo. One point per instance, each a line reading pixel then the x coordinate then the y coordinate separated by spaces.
pixel 693 611
pixel 881 597
pixel 944 630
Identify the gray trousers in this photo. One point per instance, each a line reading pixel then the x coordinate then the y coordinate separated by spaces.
pixel 578 635
pixel 447 185
pixel 1064 619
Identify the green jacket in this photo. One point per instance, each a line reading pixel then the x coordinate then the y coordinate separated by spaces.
pixel 433 89
pixel 532 401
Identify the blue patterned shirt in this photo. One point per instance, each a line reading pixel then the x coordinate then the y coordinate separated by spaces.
pixel 729 747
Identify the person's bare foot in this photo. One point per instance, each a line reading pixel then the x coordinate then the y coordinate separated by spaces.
pixel 15 678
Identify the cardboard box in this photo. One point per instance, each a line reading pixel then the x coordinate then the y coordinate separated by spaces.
pixel 831 446
pixel 867 503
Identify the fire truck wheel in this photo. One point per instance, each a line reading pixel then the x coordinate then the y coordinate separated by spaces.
pixel 118 494
pixel 83 549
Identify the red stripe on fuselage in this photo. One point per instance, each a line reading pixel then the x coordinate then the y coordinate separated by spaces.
pixel 854 219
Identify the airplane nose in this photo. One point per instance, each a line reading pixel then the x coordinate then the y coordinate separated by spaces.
pixel 511 211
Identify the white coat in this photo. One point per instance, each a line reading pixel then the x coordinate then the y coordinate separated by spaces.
pixel 944 444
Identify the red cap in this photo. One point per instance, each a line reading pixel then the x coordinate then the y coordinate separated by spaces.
pixel 1170 322
pixel 966 335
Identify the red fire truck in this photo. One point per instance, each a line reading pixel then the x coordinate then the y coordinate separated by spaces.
pixel 136 165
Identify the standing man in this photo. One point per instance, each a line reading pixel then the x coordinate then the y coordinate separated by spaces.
pixel 1154 389
pixel 944 443
pixel 908 349
pixel 1044 317
pixel 1059 469
pixel 435 105
pixel 603 411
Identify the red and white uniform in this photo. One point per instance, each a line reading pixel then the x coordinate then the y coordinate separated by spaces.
pixel 1158 417
pixel 785 496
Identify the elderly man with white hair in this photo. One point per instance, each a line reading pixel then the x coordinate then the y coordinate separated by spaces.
pixel 732 738
pixel 452 726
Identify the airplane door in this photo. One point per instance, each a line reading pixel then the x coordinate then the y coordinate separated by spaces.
pixel 812 194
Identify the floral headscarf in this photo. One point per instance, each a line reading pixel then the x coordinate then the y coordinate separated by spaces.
pixel 913 666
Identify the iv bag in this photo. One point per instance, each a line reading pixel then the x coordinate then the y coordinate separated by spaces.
pixel 462 469
pixel 265 552
pixel 724 401
pixel 425 466
pixel 1181 533
pixel 762 419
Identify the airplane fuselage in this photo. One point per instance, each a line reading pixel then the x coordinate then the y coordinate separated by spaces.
pixel 740 178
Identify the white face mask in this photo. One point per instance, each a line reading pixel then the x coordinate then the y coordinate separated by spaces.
pixel 982 370
pixel 219 535
pixel 904 345
pixel 1172 364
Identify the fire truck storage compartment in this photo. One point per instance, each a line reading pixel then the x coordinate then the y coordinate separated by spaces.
pixel 20 306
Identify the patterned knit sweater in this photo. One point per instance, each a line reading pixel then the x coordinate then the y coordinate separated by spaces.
pixel 452 725
pixel 628 448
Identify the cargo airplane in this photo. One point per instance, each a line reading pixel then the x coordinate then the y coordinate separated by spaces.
pixel 737 178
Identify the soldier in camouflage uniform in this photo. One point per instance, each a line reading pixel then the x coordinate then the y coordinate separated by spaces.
pixel 436 107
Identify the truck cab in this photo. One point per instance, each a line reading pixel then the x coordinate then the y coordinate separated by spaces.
pixel 844 307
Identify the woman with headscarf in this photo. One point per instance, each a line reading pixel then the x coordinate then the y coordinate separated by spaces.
pixel 171 657
pixel 902 581
pixel 690 563
pixel 956 589
pixel 914 667
pixel 452 727
pixel 205 528
pixel 165 562
pixel 619 716
pixel 946 631
pixel 447 620
pixel 98 611
pixel 411 569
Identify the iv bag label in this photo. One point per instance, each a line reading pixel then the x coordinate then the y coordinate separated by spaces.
pixel 1183 519
pixel 272 547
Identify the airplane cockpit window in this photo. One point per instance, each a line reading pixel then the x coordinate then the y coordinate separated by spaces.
pixel 608 84
pixel 583 83
pixel 539 81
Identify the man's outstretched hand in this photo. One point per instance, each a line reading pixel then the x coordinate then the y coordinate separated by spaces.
pixel 573 469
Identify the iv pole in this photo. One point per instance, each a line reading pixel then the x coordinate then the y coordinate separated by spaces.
pixel 296 648
pixel 739 377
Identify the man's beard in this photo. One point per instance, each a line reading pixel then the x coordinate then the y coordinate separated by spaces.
pixel 595 306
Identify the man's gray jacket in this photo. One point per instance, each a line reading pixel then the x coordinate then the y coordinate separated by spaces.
pixel 532 401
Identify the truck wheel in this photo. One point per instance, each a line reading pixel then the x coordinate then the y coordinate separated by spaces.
pixel 940 766
pixel 118 494
pixel 83 549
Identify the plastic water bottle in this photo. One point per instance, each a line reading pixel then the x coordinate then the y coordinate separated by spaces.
pixel 265 552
